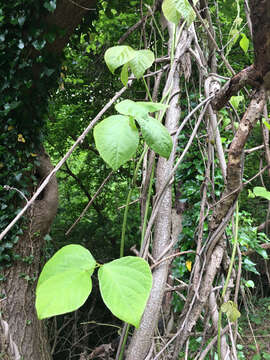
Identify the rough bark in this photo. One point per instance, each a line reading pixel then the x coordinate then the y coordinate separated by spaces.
pixel 248 76
pixel 23 335
pixel 260 18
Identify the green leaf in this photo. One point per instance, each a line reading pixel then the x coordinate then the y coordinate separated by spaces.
pixel 262 252
pixel 261 191
pixel 116 139
pixel 174 10
pixel 244 43
pixel 249 284
pixel 65 281
pixel 118 55
pixel 235 101
pixel 138 109
pixel 231 310
pixel 50 5
pixel 125 285
pixel 124 75
pixel 266 124
pixel 152 107
pixel 141 62
pixel 250 194
pixel 39 44
pixel 156 136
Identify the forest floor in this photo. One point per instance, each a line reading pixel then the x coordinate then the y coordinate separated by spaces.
pixel 254 329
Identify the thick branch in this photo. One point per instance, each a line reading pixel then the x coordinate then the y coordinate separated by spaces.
pixel 67 16
pixel 248 76
pixel 234 168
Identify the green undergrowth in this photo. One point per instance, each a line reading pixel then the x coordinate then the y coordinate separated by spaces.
pixel 255 337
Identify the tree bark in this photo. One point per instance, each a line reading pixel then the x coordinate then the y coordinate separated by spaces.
pixel 23 335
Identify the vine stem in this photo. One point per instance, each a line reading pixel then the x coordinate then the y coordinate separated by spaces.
pixel 147 204
pixel 124 225
pixel 228 279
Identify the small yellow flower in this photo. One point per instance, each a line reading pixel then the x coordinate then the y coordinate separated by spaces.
pixel 189 265
pixel 21 138
pixel 10 127
pixel 32 154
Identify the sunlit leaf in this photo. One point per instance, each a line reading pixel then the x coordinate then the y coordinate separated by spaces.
pixel 174 10
pixel 235 101
pixel 231 310
pixel 118 55
pixel 249 284
pixel 125 286
pixel 261 191
pixel 244 43
pixel 266 124
pixel 116 139
pixel 138 109
pixel 65 281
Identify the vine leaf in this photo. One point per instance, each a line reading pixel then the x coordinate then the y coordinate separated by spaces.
pixel 261 191
pixel 235 101
pixel 231 310
pixel 141 62
pixel 137 60
pixel 244 43
pixel 156 135
pixel 65 281
pixel 175 10
pixel 117 56
pixel 266 124
pixel 125 285
pixel 116 139
pixel 138 109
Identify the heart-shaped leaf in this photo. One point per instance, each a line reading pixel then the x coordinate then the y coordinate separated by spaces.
pixel 174 10
pixel 116 139
pixel 65 281
pixel 142 61
pixel 156 136
pixel 118 55
pixel 125 286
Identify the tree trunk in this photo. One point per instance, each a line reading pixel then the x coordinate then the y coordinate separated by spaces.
pixel 23 335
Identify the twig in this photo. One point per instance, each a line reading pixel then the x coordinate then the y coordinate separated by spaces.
pixel 80 6
pixel 8 188
pixel 171 256
pixel 90 202
pixel 131 203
